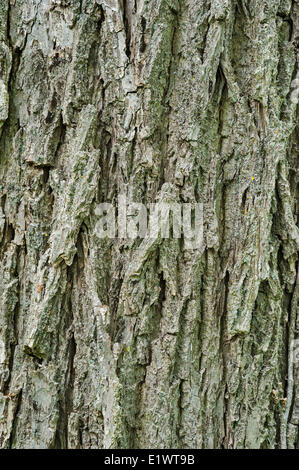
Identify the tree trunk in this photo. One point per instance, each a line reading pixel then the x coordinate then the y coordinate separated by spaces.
pixel 143 343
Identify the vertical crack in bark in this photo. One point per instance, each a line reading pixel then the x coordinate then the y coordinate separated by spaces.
pixel 127 20
pixel 199 106
pixel 12 440
pixel 290 363
pixel 224 348
pixel 66 393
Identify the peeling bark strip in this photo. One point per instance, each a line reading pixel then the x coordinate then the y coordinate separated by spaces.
pixel 130 343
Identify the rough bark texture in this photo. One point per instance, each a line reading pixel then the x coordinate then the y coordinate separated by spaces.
pixel 133 343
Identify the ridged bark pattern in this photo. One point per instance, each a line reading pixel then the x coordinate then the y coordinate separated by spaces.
pixel 140 343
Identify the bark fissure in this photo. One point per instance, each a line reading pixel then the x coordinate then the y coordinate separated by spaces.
pixel 119 342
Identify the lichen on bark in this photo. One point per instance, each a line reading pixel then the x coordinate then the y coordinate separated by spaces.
pixel 123 343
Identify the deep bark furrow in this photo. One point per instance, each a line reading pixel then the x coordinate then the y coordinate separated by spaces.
pixel 141 343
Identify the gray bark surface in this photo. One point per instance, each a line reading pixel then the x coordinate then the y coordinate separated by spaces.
pixel 120 343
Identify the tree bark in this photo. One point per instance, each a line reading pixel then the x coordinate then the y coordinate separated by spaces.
pixel 126 343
